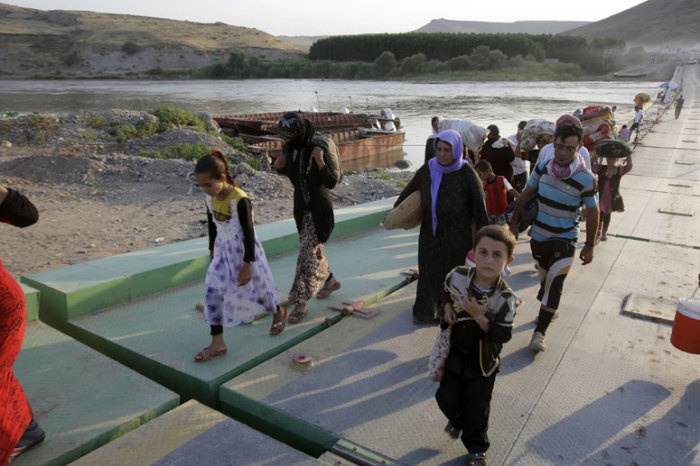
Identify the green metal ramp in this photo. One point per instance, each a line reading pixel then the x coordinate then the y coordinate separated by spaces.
pixel 81 398
pixel 158 335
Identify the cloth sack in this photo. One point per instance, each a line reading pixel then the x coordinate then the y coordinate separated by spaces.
pixel 472 135
pixel 332 157
pixel 438 356
pixel 528 213
pixel 407 215
pixel 641 98
pixel 532 130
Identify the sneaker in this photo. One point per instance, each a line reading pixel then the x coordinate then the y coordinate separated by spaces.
pixel 452 430
pixel 476 459
pixel 506 271
pixel 604 236
pixel 537 343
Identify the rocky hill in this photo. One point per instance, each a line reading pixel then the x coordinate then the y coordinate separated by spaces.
pixel 656 23
pixel 36 43
pixel 482 27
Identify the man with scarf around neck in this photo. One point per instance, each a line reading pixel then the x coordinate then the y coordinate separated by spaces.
pixel 453 208
pixel 307 162
pixel 561 185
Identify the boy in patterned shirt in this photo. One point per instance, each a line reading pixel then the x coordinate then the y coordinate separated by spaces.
pixel 480 307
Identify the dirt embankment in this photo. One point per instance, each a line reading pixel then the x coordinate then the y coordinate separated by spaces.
pixel 98 198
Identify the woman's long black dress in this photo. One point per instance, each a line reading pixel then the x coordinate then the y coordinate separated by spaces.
pixel 460 213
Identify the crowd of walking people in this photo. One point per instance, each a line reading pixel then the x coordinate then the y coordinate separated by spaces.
pixel 469 296
pixel 475 206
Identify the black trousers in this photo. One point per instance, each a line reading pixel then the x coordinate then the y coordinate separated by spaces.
pixel 466 403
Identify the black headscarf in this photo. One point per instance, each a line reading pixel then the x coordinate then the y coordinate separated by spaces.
pixel 299 129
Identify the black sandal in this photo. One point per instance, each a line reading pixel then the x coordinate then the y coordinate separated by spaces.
pixel 326 290
pixel 297 315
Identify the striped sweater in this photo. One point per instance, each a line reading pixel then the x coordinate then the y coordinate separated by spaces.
pixel 559 199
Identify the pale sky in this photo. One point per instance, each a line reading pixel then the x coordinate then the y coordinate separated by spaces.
pixel 338 17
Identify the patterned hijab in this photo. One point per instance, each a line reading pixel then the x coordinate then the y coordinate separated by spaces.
pixel 453 138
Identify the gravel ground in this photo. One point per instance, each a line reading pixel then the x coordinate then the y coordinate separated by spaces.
pixel 98 198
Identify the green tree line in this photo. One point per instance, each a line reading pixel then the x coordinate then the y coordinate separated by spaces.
pixel 445 46
pixel 519 57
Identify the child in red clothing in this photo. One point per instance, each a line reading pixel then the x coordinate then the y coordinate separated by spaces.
pixel 496 190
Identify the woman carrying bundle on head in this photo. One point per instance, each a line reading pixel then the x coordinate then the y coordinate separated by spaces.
pixel 609 175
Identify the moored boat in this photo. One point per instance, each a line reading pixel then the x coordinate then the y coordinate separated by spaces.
pixel 246 124
pixel 359 148
pixel 364 140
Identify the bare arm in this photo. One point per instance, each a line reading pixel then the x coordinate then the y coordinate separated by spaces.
pixel 623 170
pixel 280 163
pixel 517 211
pixel 591 214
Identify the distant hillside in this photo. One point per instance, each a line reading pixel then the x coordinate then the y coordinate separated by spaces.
pixel 303 43
pixel 481 27
pixel 80 43
pixel 652 23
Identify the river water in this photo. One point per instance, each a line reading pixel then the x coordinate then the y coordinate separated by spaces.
pixel 485 103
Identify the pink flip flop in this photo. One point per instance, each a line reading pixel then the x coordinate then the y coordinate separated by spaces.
pixel 206 354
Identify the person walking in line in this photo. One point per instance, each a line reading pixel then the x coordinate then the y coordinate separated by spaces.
pixel 312 165
pixel 430 142
pixel 609 176
pixel 520 164
pixel 547 152
pixel 679 105
pixel 239 284
pixel 499 153
pixel 453 207
pixel 496 191
pixel 19 429
pixel 480 308
pixel 561 184
pixel 638 122
pixel 624 134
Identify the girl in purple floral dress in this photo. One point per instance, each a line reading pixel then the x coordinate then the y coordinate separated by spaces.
pixel 239 285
